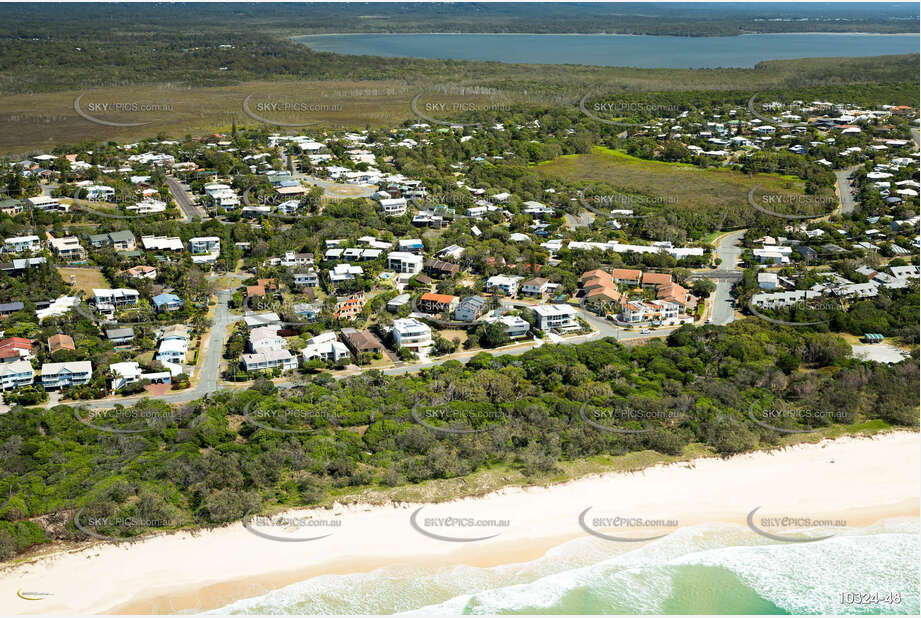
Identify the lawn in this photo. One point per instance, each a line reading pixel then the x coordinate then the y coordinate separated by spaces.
pixel 83 278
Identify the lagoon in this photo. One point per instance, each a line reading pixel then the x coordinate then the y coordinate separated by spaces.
pixel 638 51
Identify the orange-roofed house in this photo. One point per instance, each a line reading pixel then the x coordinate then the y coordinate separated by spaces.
pixel 629 276
pixel 142 272
pixel 350 308
pixel 654 280
pixel 430 302
pixel 593 274
pixel 60 342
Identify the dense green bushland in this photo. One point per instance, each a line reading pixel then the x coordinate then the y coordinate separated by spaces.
pixel 211 461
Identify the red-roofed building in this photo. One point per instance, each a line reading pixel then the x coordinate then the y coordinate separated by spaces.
pixel 14 349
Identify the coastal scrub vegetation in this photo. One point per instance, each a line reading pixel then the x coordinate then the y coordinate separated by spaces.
pixel 725 390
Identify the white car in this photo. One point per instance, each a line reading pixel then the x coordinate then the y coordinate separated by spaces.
pixel 645 331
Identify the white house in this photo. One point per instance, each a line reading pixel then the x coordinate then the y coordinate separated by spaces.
pixel 556 317
pixel 507 284
pixel 411 334
pixel 205 244
pixel 404 262
pixel 269 359
pixel 56 375
pixel 325 346
pixel 394 207
pixel 16 374
pixel 21 244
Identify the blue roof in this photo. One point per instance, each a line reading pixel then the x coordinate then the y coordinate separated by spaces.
pixel 165 299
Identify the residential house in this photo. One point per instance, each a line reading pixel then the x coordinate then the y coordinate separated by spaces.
pixel 111 300
pixel 627 276
pixel 68 247
pixel 266 338
pixel 349 308
pixel 60 341
pixel 411 334
pixel 326 347
pixel 504 284
pixel 556 317
pixel 58 375
pixel 438 268
pixel 394 207
pixel 404 262
pixel 167 302
pixel 269 359
pixel 538 287
pixel 204 244
pixel 362 341
pixel 8 309
pixel 122 240
pixel 309 279
pixel 162 243
pixel 654 280
pixel 14 349
pixel 431 302
pixel 16 374
pixel 22 244
pixel 470 308
pixel 513 325
pixel 120 336
pixel 142 272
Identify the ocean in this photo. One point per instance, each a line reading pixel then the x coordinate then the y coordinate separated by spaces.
pixel 650 52
pixel 706 569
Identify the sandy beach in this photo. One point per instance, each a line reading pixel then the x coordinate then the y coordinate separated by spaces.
pixel 859 480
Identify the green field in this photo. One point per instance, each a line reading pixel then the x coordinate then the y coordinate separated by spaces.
pixel 674 187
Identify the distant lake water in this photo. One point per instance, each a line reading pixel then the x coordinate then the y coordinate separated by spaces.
pixel 617 50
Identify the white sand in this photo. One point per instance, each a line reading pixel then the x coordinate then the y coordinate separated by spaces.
pixel 870 478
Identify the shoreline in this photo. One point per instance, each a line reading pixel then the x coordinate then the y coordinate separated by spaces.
pixel 860 479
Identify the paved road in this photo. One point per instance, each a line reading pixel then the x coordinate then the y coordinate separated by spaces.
pixel 188 207
pixel 848 205
pixel 208 382
pixel 916 135
pixel 723 308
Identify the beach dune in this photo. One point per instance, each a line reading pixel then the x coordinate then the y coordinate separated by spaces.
pixel 856 480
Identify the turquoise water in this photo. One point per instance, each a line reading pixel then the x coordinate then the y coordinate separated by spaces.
pixel 620 50
pixel 713 569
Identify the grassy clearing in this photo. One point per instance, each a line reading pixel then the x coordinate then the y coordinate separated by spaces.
pixel 674 184
pixel 83 278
